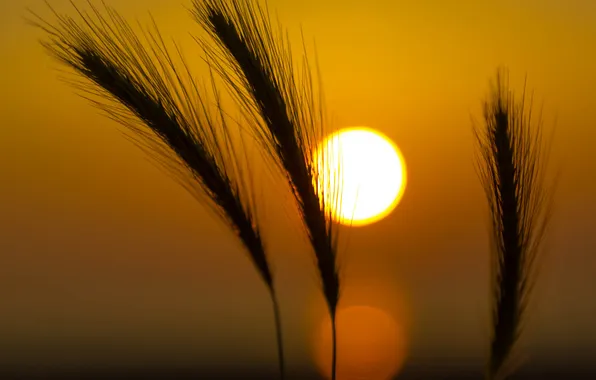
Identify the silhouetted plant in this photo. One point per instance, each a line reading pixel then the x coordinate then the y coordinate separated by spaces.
pixel 137 82
pixel 511 166
pixel 142 88
pixel 257 65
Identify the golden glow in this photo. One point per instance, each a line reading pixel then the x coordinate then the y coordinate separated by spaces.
pixel 370 345
pixel 370 172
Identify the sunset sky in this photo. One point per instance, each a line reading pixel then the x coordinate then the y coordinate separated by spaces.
pixel 105 261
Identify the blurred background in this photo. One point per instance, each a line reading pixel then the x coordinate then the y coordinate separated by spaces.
pixel 105 262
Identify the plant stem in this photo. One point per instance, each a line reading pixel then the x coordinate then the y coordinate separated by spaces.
pixel 333 347
pixel 278 331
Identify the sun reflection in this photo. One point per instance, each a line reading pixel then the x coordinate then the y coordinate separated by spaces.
pixel 370 345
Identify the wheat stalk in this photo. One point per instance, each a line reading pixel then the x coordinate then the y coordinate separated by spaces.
pixel 511 166
pixel 258 67
pixel 162 106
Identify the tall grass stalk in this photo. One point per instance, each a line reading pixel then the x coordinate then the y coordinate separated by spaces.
pixel 511 165
pixel 137 82
pixel 288 117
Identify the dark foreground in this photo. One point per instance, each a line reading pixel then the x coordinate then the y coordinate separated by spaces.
pixel 172 374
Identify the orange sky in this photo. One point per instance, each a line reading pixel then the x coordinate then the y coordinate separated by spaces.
pixel 98 246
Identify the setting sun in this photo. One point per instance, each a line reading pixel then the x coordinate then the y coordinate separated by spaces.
pixel 363 175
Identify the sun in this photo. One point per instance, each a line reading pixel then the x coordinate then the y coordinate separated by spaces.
pixel 371 345
pixel 362 175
